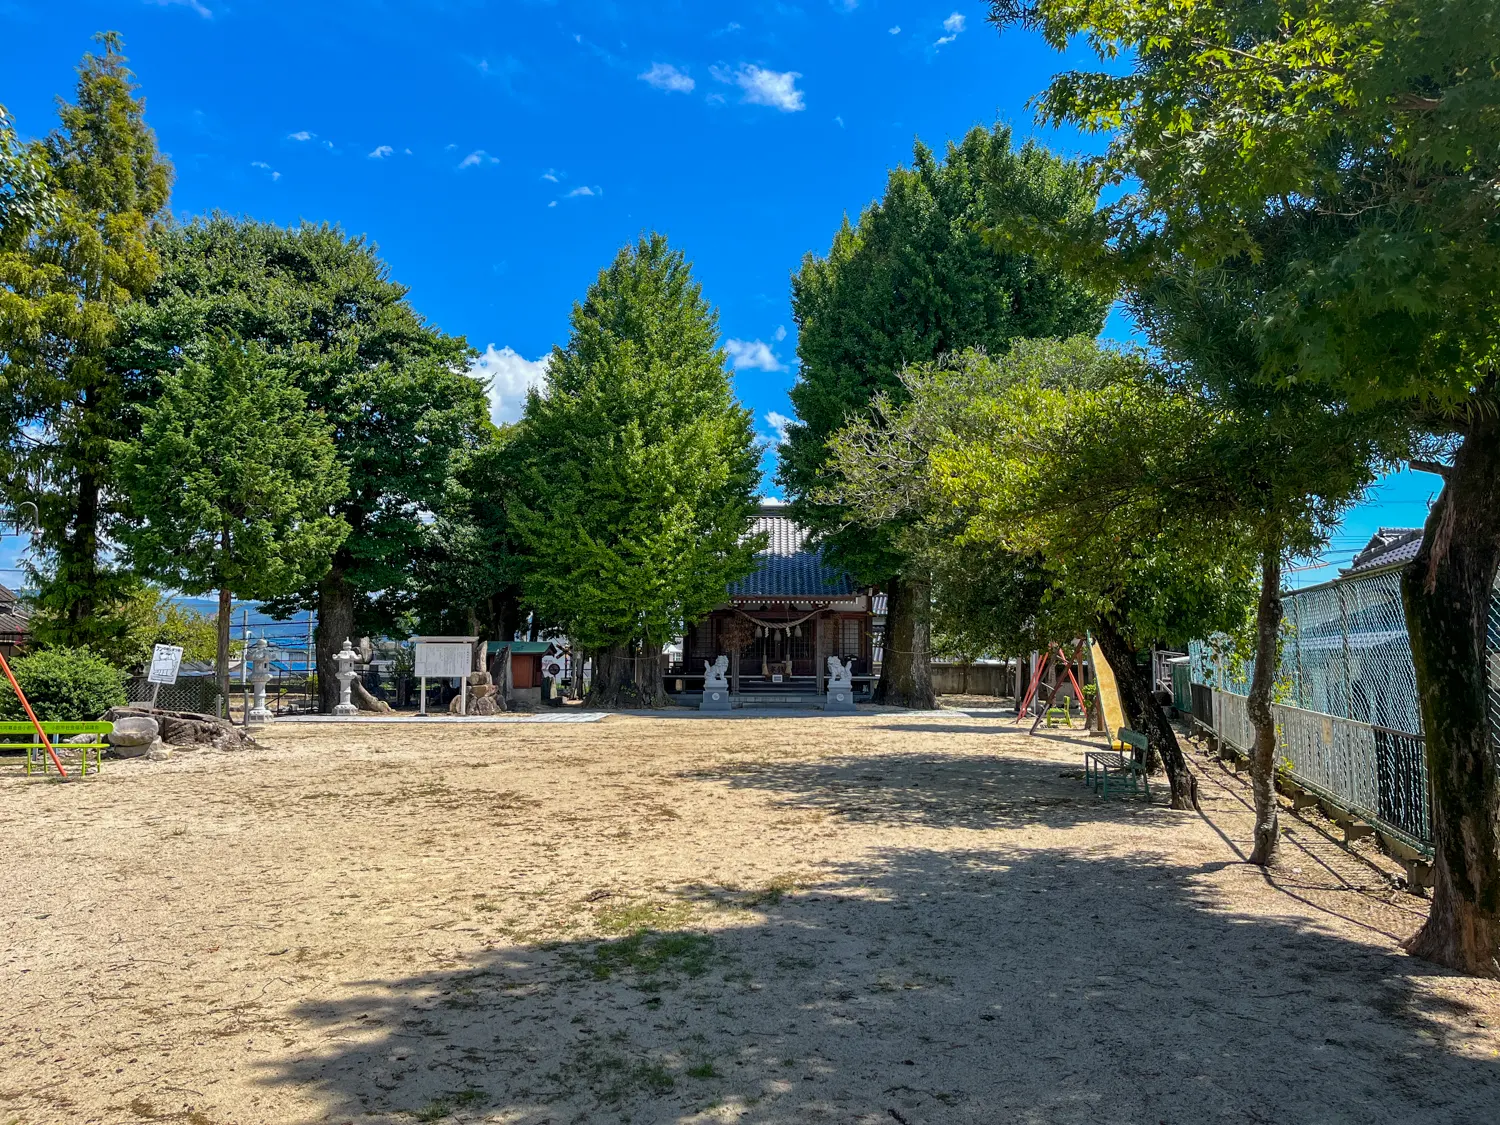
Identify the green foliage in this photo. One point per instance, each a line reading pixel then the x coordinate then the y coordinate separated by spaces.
pixel 638 467
pixel 1044 487
pixel 1370 125
pixel 25 201
pixel 63 685
pixel 395 391
pixel 145 618
pixel 231 479
pixel 472 563
pixel 915 280
pixel 65 275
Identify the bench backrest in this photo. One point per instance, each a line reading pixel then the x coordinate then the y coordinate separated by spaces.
pixel 1138 742
pixel 57 727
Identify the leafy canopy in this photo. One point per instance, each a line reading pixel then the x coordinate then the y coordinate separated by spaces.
pixel 913 280
pixel 231 479
pixel 639 468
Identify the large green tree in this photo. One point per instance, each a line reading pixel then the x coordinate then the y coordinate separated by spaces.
pixel 231 481
pixel 913 280
pixel 1053 467
pixel 67 268
pixel 1375 123
pixel 639 472
pixel 395 390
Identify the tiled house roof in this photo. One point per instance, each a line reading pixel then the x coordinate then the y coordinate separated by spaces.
pixel 788 568
pixel 15 615
pixel 1388 546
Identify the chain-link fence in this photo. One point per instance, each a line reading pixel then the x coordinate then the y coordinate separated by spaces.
pixel 1348 721
pixel 198 694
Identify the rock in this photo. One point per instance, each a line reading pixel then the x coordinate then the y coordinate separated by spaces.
pixel 480 691
pixel 134 730
pixel 158 751
pixel 479 679
pixel 182 728
pixel 130 751
pixel 80 740
pixel 484 705
pixel 456 705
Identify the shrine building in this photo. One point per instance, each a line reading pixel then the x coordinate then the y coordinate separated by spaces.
pixel 779 624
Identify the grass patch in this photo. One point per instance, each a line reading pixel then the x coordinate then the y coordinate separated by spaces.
pixel 629 918
pixel 612 1078
pixel 702 1070
pixel 440 1108
pixel 650 955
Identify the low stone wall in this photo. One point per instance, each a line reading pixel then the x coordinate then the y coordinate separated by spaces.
pixel 972 679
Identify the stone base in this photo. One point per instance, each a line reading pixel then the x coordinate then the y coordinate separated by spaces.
pixel 259 717
pixel 714 699
pixel 345 710
pixel 839 699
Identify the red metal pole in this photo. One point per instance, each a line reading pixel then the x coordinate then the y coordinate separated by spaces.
pixel 21 695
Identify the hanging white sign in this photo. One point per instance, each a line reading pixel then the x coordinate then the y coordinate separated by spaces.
pixel 165 661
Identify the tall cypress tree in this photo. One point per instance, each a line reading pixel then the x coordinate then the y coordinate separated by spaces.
pixel 914 280
pixel 63 282
pixel 639 473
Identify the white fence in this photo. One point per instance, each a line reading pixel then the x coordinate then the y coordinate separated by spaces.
pixel 1375 772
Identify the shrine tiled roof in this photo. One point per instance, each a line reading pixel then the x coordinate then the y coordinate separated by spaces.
pixel 788 567
pixel 1388 546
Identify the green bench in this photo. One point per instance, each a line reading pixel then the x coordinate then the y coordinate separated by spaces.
pixel 36 753
pixel 1126 761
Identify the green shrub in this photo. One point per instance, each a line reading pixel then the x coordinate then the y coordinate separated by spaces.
pixel 63 684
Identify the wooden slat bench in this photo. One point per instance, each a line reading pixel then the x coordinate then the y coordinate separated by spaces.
pixel 36 753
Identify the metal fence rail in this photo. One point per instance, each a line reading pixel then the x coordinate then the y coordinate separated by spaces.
pixel 1376 773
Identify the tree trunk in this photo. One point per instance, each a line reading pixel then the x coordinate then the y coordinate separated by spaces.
pixel 1145 713
pixel 335 623
pixel 80 560
pixel 627 676
pixel 226 614
pixel 509 618
pixel 1447 592
pixel 906 668
pixel 1267 662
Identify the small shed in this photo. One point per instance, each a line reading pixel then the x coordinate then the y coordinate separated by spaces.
pixel 524 680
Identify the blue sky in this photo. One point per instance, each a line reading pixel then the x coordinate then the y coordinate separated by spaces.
pixel 499 154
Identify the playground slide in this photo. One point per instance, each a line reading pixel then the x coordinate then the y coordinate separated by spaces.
pixel 1109 696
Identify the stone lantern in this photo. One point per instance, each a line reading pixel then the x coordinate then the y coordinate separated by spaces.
pixel 260 671
pixel 345 659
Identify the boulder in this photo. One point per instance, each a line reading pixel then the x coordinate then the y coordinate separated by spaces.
pixel 484 705
pixel 133 730
pixel 158 751
pixel 480 691
pixel 181 728
pixel 456 705
pixel 479 679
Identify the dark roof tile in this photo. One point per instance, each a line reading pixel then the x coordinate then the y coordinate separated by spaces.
pixel 788 568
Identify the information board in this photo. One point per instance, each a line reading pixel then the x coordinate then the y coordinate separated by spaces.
pixel 443 661
pixel 165 660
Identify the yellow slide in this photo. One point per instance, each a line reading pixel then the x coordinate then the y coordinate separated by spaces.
pixel 1109 696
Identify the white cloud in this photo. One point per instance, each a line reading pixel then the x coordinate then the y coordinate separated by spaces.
pixel 584 192
pixel 476 158
pixel 954 26
pixel 301 135
pixel 552 204
pixel 896 30
pixel 266 168
pixel 381 152
pixel 196 5
pixel 752 355
pixel 550 175
pixel 665 76
pixel 779 423
pixel 772 501
pixel 839 121
pixel 775 88
pixel 780 333
pixel 508 375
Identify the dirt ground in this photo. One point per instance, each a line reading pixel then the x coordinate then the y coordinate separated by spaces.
pixel 883 918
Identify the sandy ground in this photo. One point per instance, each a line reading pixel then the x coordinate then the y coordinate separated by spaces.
pixel 885 918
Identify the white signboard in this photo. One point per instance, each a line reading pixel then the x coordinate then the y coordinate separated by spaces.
pixel 443 661
pixel 165 660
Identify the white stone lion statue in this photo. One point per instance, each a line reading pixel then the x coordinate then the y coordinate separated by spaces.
pixel 714 674
pixel 840 675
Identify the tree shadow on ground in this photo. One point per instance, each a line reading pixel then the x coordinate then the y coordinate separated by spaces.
pixel 921 986
pixel 943 790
